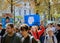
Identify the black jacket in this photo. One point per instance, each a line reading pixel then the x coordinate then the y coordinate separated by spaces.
pixel 2 32
pixel 58 36
pixel 27 40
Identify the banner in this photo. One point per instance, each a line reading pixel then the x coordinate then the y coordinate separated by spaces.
pixel 32 20
pixel 3 21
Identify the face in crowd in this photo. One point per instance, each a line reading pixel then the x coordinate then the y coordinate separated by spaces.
pixel 9 28
pixel 24 29
pixel 34 28
pixel 58 26
pixel 7 19
pixel 49 31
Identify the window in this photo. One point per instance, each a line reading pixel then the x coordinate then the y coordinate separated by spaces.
pixel 24 12
pixel 19 11
pixel 29 12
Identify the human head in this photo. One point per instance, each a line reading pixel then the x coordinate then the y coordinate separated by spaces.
pixel 16 29
pixel 10 28
pixel 42 22
pixel 34 28
pixel 7 19
pixel 49 31
pixel 24 29
pixel 51 24
pixel 58 27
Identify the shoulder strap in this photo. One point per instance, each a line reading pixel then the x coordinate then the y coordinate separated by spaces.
pixel 0 39
pixel 3 38
pixel 22 40
pixel 31 39
pixel 46 38
pixel 38 41
pixel 53 39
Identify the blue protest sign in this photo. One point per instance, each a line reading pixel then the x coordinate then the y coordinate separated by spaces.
pixel 32 20
pixel 3 21
pixel 11 20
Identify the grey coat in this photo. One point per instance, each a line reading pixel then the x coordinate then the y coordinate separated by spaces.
pixel 14 39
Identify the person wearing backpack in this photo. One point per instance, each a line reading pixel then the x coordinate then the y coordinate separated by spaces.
pixel 58 32
pixel 2 32
pixel 26 37
pixel 11 36
pixel 50 37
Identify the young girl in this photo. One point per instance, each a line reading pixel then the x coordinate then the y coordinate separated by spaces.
pixel 50 37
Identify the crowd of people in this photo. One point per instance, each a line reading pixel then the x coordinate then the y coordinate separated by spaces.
pixel 30 34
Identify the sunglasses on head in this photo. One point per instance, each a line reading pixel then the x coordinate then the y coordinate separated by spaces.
pixel 22 29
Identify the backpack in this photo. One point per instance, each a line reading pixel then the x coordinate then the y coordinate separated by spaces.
pixel 0 39
pixel 52 38
pixel 31 37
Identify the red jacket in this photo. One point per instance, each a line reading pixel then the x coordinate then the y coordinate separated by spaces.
pixel 38 33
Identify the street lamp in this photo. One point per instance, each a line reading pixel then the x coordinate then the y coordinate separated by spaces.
pixel 12 10
pixel 12 6
pixel 49 7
